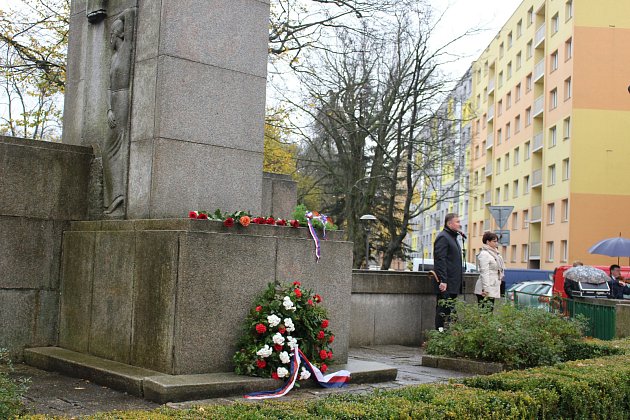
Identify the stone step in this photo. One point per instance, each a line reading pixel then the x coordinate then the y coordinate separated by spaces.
pixel 162 388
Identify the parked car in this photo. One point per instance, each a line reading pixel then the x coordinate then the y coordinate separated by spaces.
pixel 518 275
pixel 426 264
pixel 543 290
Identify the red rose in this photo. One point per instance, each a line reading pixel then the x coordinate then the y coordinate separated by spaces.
pixel 317 298
pixel 229 222
pixel 277 347
pixel 281 222
pixel 331 338
pixel 330 355
pixel 325 323
pixel 323 355
pixel 294 224
pixel 258 308
pixel 282 330
pixel 260 328
pixel 258 220
pixel 202 216
pixel 270 221
pixel 297 283
pixel 310 302
pixel 320 335
pixel 192 214
pixel 274 375
pixel 323 368
pixel 297 292
pixel 261 364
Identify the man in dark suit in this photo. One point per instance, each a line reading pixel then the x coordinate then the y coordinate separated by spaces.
pixel 447 256
pixel 618 287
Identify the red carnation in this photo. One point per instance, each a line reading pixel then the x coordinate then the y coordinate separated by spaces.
pixel 325 323
pixel 331 338
pixel 323 368
pixel 202 216
pixel 274 375
pixel 317 298
pixel 270 221
pixel 260 328
pixel 294 224
pixel 282 330
pixel 229 222
pixel 297 283
pixel 323 355
pixel 310 302
pixel 320 335
pixel 297 292
pixel 258 308
pixel 281 222
pixel 261 363
pixel 330 355
pixel 192 214
pixel 277 347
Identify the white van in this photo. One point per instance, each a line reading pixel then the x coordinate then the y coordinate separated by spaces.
pixel 426 264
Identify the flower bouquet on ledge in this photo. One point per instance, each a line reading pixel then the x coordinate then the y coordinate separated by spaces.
pixel 282 318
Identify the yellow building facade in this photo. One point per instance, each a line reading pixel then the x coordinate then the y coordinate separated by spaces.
pixel 551 135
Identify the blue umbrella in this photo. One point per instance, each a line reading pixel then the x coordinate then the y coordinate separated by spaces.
pixel 613 247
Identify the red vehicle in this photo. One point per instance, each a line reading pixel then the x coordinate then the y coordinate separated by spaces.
pixel 558 276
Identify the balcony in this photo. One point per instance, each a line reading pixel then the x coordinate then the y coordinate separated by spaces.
pixel 490 113
pixel 539 106
pixel 490 141
pixel 534 250
pixel 536 180
pixel 538 142
pixel 539 38
pixel 539 70
pixel 487 197
pixel 489 169
pixel 490 86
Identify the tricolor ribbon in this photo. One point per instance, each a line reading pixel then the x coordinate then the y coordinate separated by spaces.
pixel 332 380
pixel 323 218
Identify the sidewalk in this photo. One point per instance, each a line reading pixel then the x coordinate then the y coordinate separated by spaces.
pixel 53 394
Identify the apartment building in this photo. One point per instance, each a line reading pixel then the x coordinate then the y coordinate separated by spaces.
pixel 551 132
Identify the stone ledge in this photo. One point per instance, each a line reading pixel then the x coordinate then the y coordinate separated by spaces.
pixel 462 365
pixel 162 388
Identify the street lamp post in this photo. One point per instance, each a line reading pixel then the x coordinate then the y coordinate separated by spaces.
pixel 367 218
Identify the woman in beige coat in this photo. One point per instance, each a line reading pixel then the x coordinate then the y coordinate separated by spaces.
pixel 491 270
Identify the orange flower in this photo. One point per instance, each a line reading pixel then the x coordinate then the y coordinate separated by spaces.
pixel 244 221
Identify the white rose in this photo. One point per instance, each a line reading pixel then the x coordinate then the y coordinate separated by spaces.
pixel 278 339
pixel 282 372
pixel 265 351
pixel 284 357
pixel 291 342
pixel 305 374
pixel 288 304
pixel 273 320
pixel 288 323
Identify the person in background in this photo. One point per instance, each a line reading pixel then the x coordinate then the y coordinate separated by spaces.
pixel 577 263
pixel 618 287
pixel 491 271
pixel 447 261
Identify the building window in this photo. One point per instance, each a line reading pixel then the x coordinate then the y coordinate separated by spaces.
pixel 567 89
pixel 528 116
pixel 499 136
pixel 568 49
pixel 506 161
pixel 525 219
pixel 550 251
pixel 551 175
pixel 565 210
pixel 506 192
pixel 529 49
pixel 508 131
pixel 528 82
pixel 519 28
pixel 508 100
pixel 509 40
pixel 519 60
pixel 555 23
pixel 513 254
pixel 515 220
pixel 528 150
pixel 553 136
pixel 517 157
pixel 498 166
pixel 525 253
pixel 517 93
pixel 553 61
pixel 526 185
pixel 501 50
pixel 515 189
pixel 553 99
pixel 500 81
pixel 565 169
pixel 497 195
pixel 564 249
pixel 517 124
pixel 551 213
pixel 475 203
pixel 500 107
pixel 568 10
pixel 530 16
pixel 567 128
pixel 509 70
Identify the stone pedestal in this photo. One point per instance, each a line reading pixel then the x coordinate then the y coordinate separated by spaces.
pixel 171 295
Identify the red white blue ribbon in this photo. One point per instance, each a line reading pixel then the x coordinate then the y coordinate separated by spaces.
pixel 323 218
pixel 332 380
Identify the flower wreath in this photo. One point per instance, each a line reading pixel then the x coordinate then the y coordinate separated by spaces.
pixel 282 318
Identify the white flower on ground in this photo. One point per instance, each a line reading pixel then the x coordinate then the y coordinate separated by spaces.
pixel 288 323
pixel 282 372
pixel 284 357
pixel 305 374
pixel 440 329
pixel 278 339
pixel 273 320
pixel 291 342
pixel 288 304
pixel 265 351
